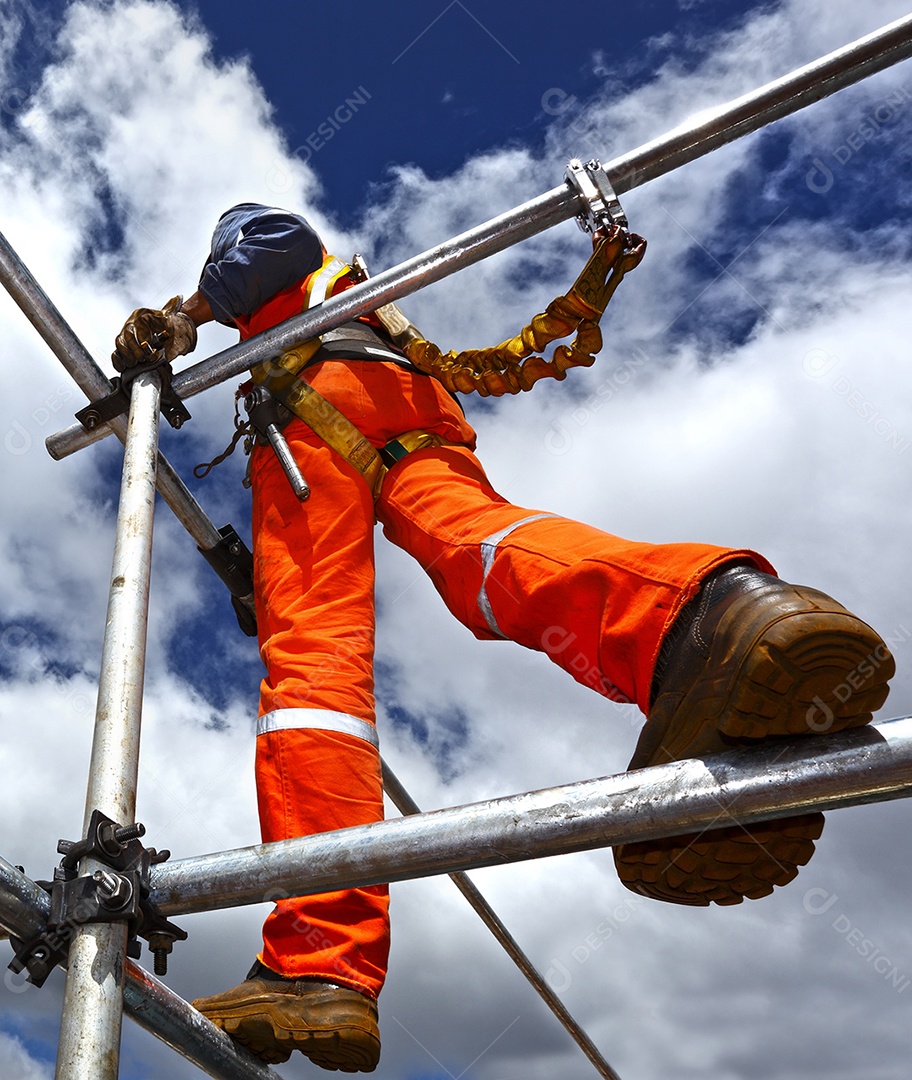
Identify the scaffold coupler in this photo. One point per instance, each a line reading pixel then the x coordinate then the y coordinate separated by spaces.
pixel 118 401
pixel 603 208
pixel 116 892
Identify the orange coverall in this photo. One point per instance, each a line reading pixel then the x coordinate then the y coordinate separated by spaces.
pixel 597 605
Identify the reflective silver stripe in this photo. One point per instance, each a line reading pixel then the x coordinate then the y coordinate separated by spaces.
pixel 322 280
pixel 321 719
pixel 488 551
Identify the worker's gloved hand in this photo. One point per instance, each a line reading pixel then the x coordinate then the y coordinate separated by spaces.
pixel 149 330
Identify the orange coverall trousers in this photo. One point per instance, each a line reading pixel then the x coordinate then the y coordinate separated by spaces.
pixel 597 605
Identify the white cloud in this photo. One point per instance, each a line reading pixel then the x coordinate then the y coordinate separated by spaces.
pixel 761 440
pixel 17 1065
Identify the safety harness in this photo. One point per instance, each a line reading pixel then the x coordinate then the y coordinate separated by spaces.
pixel 280 378
pixel 508 368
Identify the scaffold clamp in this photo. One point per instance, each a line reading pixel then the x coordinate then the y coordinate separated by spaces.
pixel 117 401
pixel 603 208
pixel 231 559
pixel 116 892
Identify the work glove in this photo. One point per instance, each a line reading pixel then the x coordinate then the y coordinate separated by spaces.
pixel 149 330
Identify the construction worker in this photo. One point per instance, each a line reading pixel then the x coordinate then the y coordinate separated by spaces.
pixel 706 641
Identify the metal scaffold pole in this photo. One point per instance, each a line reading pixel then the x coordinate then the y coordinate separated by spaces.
pixel 691 140
pixel 93 1002
pixel 406 805
pixel 781 779
pixel 41 312
pixel 38 308
pixel 24 908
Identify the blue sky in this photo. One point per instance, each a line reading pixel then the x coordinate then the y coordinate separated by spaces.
pixel 446 81
pixel 753 391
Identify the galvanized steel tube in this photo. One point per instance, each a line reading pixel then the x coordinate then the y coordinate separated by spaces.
pixel 93 1001
pixel 115 750
pixel 24 906
pixel 23 912
pixel 715 127
pixel 167 1016
pixel 779 778
pixel 36 305
pixel 691 139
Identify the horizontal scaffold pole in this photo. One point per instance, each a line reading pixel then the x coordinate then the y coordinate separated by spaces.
pixel 692 139
pixel 777 778
pixel 24 909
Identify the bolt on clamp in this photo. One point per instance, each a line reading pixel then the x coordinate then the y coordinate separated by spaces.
pixel 603 208
pixel 118 891
pixel 117 402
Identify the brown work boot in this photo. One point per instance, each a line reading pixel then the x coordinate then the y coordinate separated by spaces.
pixel 273 1015
pixel 749 657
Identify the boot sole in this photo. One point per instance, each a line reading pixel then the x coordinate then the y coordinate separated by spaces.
pixel 343 1050
pixel 272 1034
pixel 813 669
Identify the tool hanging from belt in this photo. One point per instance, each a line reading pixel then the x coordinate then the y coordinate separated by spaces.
pixel 263 411
pixel 276 384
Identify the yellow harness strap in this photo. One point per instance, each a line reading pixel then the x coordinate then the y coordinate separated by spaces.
pixel 280 378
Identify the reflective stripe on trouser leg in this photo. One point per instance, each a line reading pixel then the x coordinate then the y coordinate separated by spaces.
pixel 322 719
pixel 315 779
pixel 597 604
pixel 488 551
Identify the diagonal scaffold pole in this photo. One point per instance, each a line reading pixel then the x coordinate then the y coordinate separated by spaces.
pixel 24 908
pixel 779 778
pixel 60 337
pixel 690 140
pixel 93 1001
pixel 407 806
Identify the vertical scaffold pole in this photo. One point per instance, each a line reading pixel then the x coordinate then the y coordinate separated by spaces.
pixel 93 1002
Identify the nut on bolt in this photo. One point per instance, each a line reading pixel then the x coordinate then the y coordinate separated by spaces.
pixel 116 891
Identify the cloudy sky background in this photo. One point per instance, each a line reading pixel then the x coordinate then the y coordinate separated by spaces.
pixel 734 403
